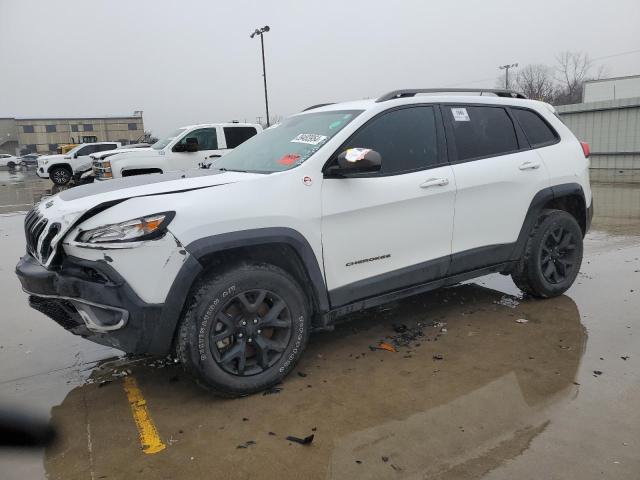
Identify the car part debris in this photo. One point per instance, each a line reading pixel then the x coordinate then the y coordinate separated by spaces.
pixel 386 346
pixel 522 320
pixel 246 444
pixel 272 391
pixel 301 441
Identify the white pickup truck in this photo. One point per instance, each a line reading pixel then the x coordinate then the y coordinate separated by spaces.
pixel 184 149
pixel 61 168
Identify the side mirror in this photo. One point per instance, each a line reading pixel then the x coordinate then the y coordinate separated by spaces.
pixel 191 144
pixel 356 160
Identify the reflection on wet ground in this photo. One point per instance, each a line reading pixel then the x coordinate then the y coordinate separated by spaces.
pixel 21 187
pixel 481 394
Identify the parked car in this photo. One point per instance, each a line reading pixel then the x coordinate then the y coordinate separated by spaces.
pixel 338 209
pixel 30 159
pixel 88 175
pixel 62 167
pixel 186 148
pixel 9 161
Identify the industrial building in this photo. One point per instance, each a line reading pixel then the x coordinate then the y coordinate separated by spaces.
pixel 22 135
pixel 609 120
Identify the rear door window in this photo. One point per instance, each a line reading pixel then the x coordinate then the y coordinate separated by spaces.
pixel 481 131
pixel 536 129
pixel 103 147
pixel 237 135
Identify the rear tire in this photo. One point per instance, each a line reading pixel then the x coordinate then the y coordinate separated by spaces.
pixel 552 256
pixel 244 329
pixel 60 175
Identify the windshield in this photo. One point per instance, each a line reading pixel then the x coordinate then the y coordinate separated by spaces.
pixel 288 144
pixel 160 144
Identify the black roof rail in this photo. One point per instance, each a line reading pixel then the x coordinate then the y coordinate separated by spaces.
pixel 412 92
pixel 317 106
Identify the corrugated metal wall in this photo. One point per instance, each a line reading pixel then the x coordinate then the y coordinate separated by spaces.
pixel 612 129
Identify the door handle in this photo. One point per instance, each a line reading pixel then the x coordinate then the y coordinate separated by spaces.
pixel 215 155
pixel 529 166
pixel 435 182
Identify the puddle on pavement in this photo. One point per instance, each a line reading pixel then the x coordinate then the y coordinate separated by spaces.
pixel 503 391
pixel 420 412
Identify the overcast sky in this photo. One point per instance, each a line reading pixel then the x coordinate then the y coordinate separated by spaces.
pixel 184 62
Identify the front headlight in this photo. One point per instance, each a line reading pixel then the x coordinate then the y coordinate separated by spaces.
pixel 136 230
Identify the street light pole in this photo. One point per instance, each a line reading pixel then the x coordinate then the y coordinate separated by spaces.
pixel 506 73
pixel 261 31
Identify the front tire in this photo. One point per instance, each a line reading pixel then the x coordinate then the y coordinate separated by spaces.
pixel 552 256
pixel 60 175
pixel 244 330
pixel 11 165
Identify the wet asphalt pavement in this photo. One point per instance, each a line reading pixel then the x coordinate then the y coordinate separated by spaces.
pixel 478 393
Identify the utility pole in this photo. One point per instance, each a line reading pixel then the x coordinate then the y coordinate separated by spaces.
pixel 260 32
pixel 506 73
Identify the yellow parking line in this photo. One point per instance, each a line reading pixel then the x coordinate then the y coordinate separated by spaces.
pixel 149 437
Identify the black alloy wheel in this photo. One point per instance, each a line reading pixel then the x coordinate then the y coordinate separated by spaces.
pixel 251 332
pixel 558 255
pixel 60 176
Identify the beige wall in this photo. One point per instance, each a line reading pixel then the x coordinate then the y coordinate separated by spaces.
pixel 8 135
pixel 104 129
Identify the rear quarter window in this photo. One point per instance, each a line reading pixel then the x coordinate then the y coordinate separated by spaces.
pixel 535 128
pixel 237 135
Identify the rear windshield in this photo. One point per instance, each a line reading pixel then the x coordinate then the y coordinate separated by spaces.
pixel 288 144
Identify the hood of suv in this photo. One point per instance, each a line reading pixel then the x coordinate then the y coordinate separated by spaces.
pixel 49 158
pixel 128 151
pixel 64 210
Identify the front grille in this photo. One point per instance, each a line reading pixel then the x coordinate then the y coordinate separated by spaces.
pixel 98 168
pixel 34 224
pixel 35 229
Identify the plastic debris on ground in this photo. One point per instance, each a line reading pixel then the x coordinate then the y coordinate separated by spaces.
pixel 507 301
pixel 302 441
pixel 246 444
pixel 272 391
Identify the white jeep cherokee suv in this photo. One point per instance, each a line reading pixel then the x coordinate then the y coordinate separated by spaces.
pixel 339 208
pixel 184 149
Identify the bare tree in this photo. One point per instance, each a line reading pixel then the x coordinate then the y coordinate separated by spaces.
pixel 536 82
pixel 572 70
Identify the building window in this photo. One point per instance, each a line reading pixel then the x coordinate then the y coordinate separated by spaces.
pixel 74 128
pixel 89 139
pixel 27 128
pixel 50 128
pixel 132 126
pixel 31 148
pixel 87 127
pixel 53 147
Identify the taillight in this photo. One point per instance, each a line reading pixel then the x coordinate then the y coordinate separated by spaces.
pixel 585 149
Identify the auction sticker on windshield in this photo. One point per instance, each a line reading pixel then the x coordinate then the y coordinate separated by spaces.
pixel 309 138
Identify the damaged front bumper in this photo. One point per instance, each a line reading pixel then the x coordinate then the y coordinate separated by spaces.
pixel 90 299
